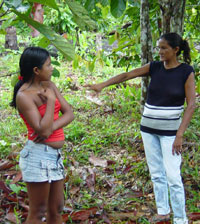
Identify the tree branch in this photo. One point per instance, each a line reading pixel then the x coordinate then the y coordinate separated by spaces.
pixel 1 4
pixel 3 14
pixel 9 74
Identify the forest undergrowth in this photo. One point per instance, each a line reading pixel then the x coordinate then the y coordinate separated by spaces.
pixel 107 178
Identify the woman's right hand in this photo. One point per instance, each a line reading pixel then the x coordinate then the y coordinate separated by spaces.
pixel 47 94
pixel 96 87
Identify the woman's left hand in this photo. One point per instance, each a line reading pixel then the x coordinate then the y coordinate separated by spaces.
pixel 177 145
pixel 38 139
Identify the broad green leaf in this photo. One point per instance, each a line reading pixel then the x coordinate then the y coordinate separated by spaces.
pixel 44 42
pixel 50 3
pixel 17 5
pixel 90 5
pixel 15 188
pixel 55 63
pixel 2 32
pixel 91 65
pixel 13 3
pixel 198 87
pixel 101 62
pixel 81 16
pixel 56 73
pixel 105 11
pixel 14 80
pixel 6 24
pixel 112 39
pixel 58 41
pixel 23 8
pixel 117 7
pixel 104 2
pixel 75 62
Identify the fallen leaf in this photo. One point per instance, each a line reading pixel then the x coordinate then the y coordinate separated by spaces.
pixel 74 190
pixel 135 194
pixel 194 216
pixel 6 164
pixel 24 206
pixel 93 98
pixel 10 173
pixel 17 178
pixel 11 217
pixel 110 162
pixel 80 215
pixel 90 180
pixel 13 155
pixel 105 218
pixel 125 215
pixel 4 187
pixel 127 169
pixel 98 161
pixel 164 222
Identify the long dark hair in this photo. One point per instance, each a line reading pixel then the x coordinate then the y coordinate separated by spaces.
pixel 30 58
pixel 175 40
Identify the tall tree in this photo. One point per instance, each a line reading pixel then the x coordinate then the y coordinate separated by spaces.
pixel 146 45
pixel 172 15
pixel 177 21
pixel 11 38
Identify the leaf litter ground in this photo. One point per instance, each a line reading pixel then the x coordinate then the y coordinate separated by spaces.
pixel 107 181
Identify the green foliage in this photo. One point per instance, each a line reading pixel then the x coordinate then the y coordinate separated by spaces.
pixel 50 3
pixel 61 21
pixel 81 15
pixel 117 7
pixel 59 42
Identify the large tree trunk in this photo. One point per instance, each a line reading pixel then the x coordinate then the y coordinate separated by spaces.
pixel 11 38
pixel 146 46
pixel 166 7
pixel 177 20
pixel 172 15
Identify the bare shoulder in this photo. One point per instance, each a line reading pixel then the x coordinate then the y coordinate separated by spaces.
pixel 24 100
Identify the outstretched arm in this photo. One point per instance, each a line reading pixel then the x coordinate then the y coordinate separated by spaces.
pixel 138 72
pixel 190 99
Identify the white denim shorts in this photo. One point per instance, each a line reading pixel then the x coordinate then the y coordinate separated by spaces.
pixel 40 163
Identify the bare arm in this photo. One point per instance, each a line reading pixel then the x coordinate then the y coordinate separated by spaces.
pixel 138 72
pixel 190 99
pixel 67 113
pixel 26 105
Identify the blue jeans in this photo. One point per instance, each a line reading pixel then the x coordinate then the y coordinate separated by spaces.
pixel 164 168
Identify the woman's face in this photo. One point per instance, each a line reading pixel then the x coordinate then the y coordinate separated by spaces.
pixel 166 52
pixel 46 70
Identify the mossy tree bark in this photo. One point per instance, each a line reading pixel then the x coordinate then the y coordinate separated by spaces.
pixel 146 46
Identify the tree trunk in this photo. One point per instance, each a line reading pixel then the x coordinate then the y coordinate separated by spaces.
pixel 172 15
pixel 146 46
pixel 11 38
pixel 177 20
pixel 166 7
pixel 98 42
pixel 37 14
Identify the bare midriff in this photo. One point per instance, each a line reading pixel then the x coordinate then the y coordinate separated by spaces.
pixel 55 145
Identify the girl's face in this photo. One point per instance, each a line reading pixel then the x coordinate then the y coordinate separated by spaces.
pixel 46 71
pixel 166 52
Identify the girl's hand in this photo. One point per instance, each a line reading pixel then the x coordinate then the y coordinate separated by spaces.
pixel 96 87
pixel 37 138
pixel 177 145
pixel 47 94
